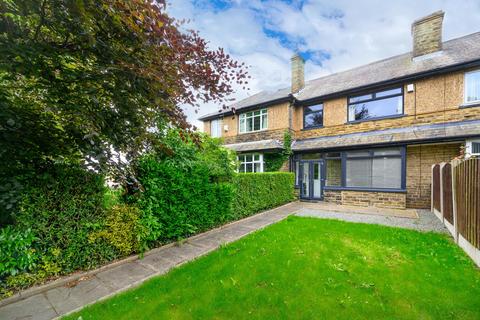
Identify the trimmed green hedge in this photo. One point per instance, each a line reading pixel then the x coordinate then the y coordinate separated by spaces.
pixel 260 191
pixel 62 207
pixel 67 220
pixel 180 199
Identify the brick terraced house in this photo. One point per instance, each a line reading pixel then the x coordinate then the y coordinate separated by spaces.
pixel 367 136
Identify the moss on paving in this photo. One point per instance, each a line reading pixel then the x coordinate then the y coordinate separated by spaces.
pixel 307 268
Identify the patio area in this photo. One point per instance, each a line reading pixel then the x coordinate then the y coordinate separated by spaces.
pixel 416 219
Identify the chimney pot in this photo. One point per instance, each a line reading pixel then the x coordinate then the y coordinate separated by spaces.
pixel 427 34
pixel 298 73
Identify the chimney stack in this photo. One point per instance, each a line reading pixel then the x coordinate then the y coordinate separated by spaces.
pixel 298 73
pixel 427 34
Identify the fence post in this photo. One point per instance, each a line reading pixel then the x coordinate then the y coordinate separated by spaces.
pixel 454 164
pixel 442 209
pixel 431 190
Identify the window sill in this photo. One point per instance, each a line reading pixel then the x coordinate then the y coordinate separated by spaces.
pixel 470 105
pixel 377 118
pixel 312 128
pixel 365 189
pixel 256 131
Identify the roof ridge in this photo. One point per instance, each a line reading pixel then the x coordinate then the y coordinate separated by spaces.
pixel 393 67
pixel 389 58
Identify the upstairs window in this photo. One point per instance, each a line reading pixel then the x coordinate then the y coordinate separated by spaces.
pixel 216 128
pixel 375 105
pixel 313 116
pixel 250 162
pixel 254 121
pixel 472 87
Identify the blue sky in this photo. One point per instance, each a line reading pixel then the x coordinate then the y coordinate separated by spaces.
pixel 331 35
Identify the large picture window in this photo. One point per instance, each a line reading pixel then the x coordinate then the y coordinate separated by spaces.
pixel 376 169
pixel 253 121
pixel 374 105
pixel 472 87
pixel 216 128
pixel 369 169
pixel 313 116
pixel 251 162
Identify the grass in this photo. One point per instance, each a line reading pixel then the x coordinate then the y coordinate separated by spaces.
pixel 307 268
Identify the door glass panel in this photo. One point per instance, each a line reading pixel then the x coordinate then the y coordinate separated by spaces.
pixel 305 180
pixel 317 186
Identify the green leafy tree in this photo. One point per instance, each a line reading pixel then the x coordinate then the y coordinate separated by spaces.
pixel 86 80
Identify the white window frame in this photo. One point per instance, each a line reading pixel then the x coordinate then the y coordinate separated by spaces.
pixel 217 133
pixel 253 162
pixel 249 116
pixel 465 88
pixel 469 148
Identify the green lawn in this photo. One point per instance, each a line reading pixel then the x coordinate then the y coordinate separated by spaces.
pixel 306 268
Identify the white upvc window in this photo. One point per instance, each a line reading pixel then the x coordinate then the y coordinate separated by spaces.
pixel 250 162
pixel 472 148
pixel 253 121
pixel 472 87
pixel 216 128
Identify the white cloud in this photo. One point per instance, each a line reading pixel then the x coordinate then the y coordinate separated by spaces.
pixel 352 33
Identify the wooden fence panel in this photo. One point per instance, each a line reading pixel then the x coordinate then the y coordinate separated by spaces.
pixel 447 197
pixel 436 188
pixel 467 199
pixel 459 199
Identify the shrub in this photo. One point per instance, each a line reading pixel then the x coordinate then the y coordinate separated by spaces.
pixel 62 207
pixel 45 269
pixel 275 161
pixel 180 199
pixel 260 191
pixel 220 161
pixel 112 197
pixel 121 229
pixel 16 251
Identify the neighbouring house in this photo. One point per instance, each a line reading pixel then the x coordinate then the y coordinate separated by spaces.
pixel 369 135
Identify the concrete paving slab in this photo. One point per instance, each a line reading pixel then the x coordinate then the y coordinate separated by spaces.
pixel 236 232
pixel 259 223
pixel 65 299
pixel 174 254
pixel 190 251
pixel 124 275
pixel 208 242
pixel 36 307
pixel 157 263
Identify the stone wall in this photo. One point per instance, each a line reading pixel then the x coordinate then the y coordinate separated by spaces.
pixel 256 136
pixel 332 196
pixel 396 200
pixel 419 165
pixel 434 100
